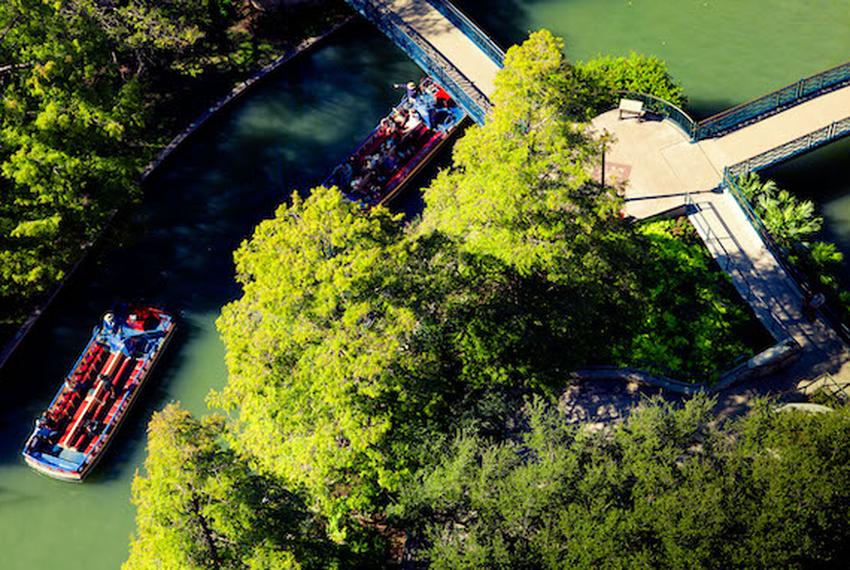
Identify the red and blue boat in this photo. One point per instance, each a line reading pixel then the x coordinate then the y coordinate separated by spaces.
pixel 400 146
pixel 74 432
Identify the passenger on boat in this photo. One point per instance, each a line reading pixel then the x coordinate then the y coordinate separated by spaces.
pixel 391 161
pixel 344 173
pixel 44 434
pixel 108 388
pixel 387 128
pixel 372 161
pixel 399 118
pixel 412 90
pixel 92 427
pixel 358 184
pixel 413 121
pixel 109 323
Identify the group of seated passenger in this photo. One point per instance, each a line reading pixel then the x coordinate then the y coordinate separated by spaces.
pixel 395 144
pixel 45 432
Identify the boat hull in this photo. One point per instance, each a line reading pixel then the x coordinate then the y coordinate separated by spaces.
pixel 73 454
pixel 399 147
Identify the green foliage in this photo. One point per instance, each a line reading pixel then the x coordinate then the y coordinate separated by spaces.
pixel 200 506
pixel 68 115
pixel 789 220
pixel 520 189
pixel 308 277
pixel 75 107
pixel 357 342
pixel 694 322
pixel 793 223
pixel 605 75
pixel 670 488
pixel 88 91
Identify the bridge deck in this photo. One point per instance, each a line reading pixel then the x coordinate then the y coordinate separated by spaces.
pixel 447 39
pixel 773 131
pixel 445 43
pixel 664 170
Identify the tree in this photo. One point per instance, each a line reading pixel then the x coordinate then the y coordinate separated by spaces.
pixel 606 75
pixel 76 79
pixel 520 187
pixel 670 488
pixel 520 191
pixel 200 506
pixel 789 220
pixel 318 351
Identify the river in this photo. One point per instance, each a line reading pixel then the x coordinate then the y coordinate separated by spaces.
pixel 176 247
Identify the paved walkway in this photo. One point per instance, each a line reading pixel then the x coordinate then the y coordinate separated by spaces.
pixel 440 47
pixel 661 169
pixel 447 39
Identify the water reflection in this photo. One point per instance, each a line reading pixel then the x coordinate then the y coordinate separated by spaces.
pixel 175 249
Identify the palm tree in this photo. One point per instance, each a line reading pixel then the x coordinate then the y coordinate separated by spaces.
pixel 788 219
pixel 752 186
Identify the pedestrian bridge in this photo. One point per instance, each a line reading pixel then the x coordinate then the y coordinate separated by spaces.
pixel 668 161
pixel 445 43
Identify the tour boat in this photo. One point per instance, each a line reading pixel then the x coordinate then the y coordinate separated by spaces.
pixel 400 146
pixel 75 430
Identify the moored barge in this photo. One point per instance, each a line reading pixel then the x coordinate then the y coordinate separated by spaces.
pixel 73 433
pixel 400 146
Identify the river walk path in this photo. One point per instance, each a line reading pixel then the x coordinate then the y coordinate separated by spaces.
pixel 444 43
pixel 661 168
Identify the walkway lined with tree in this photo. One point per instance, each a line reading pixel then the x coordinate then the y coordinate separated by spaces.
pixel 665 164
pixel 662 168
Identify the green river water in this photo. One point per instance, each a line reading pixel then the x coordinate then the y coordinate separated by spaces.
pixel 175 249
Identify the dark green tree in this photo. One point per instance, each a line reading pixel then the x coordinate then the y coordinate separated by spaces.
pixel 670 488
pixel 200 506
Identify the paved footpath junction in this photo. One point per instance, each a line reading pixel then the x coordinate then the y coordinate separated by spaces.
pixel 663 167
pixel 667 160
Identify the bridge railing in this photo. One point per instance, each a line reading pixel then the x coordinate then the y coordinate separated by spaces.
pixel 767 104
pixel 727 262
pixel 801 281
pixel 802 144
pixel 423 53
pixel 471 30
pixel 746 113
pixel 662 108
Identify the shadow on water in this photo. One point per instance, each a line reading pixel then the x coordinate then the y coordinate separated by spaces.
pixel 175 249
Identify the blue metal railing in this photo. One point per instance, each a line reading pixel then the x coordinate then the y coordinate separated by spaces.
pixel 665 109
pixel 793 148
pixel 467 95
pixel 747 113
pixel 484 42
pixel 801 282
pixel 787 96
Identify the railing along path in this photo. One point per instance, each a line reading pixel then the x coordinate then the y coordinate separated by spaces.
pixel 435 63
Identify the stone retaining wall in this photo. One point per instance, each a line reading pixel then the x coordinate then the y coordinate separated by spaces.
pixel 764 363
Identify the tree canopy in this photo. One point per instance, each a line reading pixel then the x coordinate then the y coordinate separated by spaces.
pixel 360 346
pixel 669 488
pixel 357 339
pixel 200 506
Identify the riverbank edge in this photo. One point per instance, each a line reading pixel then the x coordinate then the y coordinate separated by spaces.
pixel 237 93
pixel 241 89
